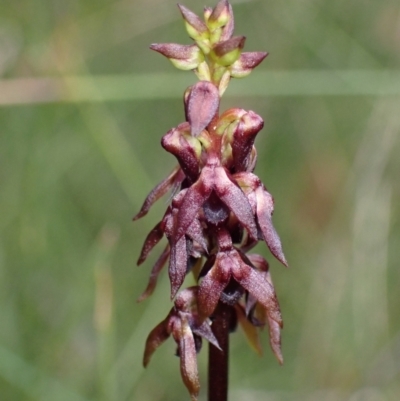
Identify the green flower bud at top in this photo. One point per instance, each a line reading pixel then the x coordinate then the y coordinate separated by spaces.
pixel 227 52
pixel 184 57
pixel 220 16
pixel 246 63
pixel 195 27
pixel 227 30
pixel 207 12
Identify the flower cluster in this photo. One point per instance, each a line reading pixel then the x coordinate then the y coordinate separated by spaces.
pixel 220 209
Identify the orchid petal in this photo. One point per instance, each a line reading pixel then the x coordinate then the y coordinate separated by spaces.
pixel 204 330
pixel 161 189
pixel 194 198
pixel 275 339
pixel 255 282
pixel 156 337
pixel 249 329
pixel 195 232
pixel 154 274
pixel 202 104
pixel 187 352
pixel 265 207
pixel 177 265
pixel 236 200
pixel 212 285
pixel 260 315
pixel 259 262
pixel 152 239
pixel 250 303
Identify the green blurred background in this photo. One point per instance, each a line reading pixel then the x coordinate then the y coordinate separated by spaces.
pixel 80 149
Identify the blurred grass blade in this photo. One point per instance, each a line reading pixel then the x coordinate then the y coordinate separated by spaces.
pixel 32 381
pixel 103 88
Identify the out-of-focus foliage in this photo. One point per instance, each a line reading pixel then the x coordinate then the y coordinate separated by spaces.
pixel 73 174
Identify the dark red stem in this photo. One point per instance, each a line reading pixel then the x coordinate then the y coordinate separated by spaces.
pixel 218 360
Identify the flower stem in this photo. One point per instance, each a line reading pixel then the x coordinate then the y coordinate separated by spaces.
pixel 218 359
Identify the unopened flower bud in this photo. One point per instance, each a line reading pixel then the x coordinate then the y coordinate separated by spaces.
pixel 184 57
pixel 243 139
pixel 207 12
pixel 227 52
pixel 227 30
pixel 185 148
pixel 246 63
pixel 219 16
pixel 195 27
pixel 226 126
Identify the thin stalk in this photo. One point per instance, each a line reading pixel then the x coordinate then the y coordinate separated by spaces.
pixel 218 359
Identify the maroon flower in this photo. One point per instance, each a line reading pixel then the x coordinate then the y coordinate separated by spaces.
pixel 258 314
pixel 184 57
pixel 219 208
pixel 246 63
pixel 263 207
pixel 182 324
pixel 214 179
pixel 231 263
